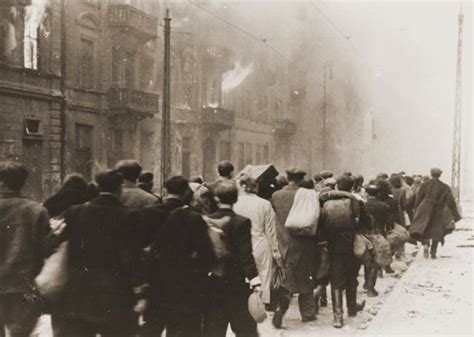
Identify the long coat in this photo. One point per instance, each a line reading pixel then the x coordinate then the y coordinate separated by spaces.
pixel 435 208
pixel 298 252
pixel 264 240
pixel 104 263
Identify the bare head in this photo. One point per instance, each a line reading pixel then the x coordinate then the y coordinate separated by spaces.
pixel 12 176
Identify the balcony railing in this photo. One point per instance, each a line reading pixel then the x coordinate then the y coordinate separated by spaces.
pixel 129 18
pixel 217 117
pixel 124 100
pixel 285 127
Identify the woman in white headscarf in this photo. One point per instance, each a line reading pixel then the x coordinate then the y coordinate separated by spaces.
pixel 264 241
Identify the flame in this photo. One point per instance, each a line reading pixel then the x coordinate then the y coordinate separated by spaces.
pixel 34 15
pixel 234 77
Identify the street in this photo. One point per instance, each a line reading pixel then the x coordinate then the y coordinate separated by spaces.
pixel 431 297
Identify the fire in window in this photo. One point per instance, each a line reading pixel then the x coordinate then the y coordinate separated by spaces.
pixel 34 18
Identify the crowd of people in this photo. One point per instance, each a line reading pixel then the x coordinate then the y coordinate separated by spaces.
pixel 136 263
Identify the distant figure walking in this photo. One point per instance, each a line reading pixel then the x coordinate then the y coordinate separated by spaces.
pixel 435 209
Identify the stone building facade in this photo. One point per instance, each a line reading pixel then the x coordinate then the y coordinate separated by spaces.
pixel 83 91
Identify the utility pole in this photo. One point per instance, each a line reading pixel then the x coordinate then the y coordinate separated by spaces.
pixel 324 159
pixel 166 117
pixel 64 103
pixel 456 161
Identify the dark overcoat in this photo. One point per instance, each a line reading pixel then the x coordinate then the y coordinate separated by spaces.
pixel 435 208
pixel 186 258
pixel 298 252
pixel 104 263
pixel 240 265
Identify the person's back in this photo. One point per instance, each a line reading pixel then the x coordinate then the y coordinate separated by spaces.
pixel 229 291
pixel 380 212
pixel 73 192
pixel 104 265
pixel 24 226
pixel 133 196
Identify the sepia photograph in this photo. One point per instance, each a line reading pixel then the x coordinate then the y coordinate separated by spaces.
pixel 247 168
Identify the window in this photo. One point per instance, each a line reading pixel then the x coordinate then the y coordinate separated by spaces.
pixel 130 70
pixel 83 150
pixel 224 153
pixel 241 155
pixel 86 72
pixel 186 157
pixel 266 153
pixel 31 46
pixel 146 77
pixel 83 136
pixel 116 66
pixel 258 155
pixel 249 153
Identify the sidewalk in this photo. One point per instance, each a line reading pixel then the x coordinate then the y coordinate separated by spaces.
pixel 434 297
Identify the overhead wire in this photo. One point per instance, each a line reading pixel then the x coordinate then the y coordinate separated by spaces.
pixel 242 30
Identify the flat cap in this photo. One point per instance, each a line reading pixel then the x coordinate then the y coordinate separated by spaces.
pixel 326 174
pixel 330 181
pixel 372 190
pixel 295 171
pixel 436 172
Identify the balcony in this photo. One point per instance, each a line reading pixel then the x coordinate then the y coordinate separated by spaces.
pixel 217 118
pixel 130 25
pixel 285 127
pixel 140 103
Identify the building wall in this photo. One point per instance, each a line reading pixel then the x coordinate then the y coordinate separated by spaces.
pixel 29 97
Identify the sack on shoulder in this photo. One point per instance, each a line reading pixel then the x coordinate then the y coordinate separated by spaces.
pixel 53 276
pixel 382 250
pixel 398 236
pixel 304 213
pixel 339 213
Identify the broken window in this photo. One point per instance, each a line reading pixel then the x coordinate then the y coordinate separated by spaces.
pixel 31 47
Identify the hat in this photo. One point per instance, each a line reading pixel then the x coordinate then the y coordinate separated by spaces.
pixel 295 172
pixel 330 182
pixel 318 177
pixel 256 308
pixel 372 190
pixel 436 172
pixel 326 174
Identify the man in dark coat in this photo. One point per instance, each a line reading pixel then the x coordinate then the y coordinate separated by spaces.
pixel 186 257
pixel 435 209
pixel 382 221
pixel 344 266
pixel 24 227
pixel 105 277
pixel 154 217
pixel 298 254
pixel 229 291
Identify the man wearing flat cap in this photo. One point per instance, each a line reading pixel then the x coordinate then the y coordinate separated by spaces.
pixel 435 212
pixel 298 254
pixel 326 174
